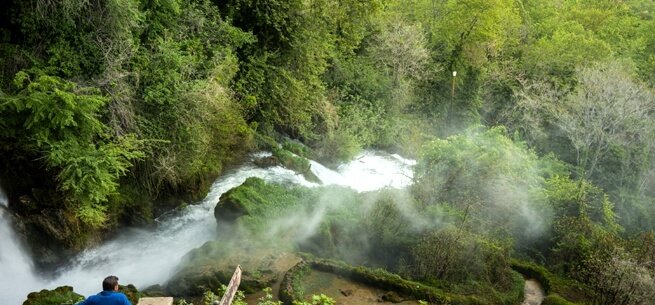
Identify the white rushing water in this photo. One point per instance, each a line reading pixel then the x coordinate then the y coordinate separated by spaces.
pixel 16 272
pixel 369 171
pixel 148 257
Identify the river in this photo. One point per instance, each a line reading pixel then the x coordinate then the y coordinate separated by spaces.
pixel 146 257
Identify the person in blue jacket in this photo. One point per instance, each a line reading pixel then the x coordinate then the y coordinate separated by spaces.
pixel 109 294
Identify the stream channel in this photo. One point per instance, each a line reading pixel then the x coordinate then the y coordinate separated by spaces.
pixel 146 257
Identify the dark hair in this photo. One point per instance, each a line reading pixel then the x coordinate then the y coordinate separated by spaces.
pixel 109 283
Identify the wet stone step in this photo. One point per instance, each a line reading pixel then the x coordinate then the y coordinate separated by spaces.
pixel 156 301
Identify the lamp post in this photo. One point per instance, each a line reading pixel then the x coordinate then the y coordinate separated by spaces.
pixel 452 94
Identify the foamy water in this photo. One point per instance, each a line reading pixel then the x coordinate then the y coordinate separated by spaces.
pixel 16 272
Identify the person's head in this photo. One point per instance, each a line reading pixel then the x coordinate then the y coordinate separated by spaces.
pixel 110 283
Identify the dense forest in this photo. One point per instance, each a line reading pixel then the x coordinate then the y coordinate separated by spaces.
pixel 532 123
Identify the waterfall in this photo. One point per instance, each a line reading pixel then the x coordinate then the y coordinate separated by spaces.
pixel 4 203
pixel 369 171
pixel 16 272
pixel 147 257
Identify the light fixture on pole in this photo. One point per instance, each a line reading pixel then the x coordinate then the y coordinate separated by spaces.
pixel 452 95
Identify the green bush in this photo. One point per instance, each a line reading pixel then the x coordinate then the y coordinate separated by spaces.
pixel 63 295
pixel 58 120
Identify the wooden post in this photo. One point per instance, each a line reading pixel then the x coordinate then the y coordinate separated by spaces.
pixel 231 289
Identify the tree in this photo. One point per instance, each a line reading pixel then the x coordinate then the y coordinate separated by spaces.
pixel 457 256
pixel 620 280
pixel 608 111
pixel 58 121
pixel 463 36
pixel 489 178
pixel 401 50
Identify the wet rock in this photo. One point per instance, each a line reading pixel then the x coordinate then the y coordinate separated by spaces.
pixel 267 161
pixel 295 163
pixel 212 265
pixel 391 296
pixel 346 292
pixel 52 222
pixel 230 207
pixel 54 236
pixel 26 203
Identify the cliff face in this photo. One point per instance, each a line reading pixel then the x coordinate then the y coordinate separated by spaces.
pixel 53 230
pixel 40 215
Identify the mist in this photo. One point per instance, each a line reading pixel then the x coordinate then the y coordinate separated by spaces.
pixel 498 193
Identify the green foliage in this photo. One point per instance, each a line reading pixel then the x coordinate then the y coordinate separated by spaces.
pixel 267 299
pixel 152 71
pixel 492 180
pixel 297 148
pixel 91 173
pixel 59 121
pixel 359 126
pixel 51 109
pixel 185 71
pixel 581 199
pixel 58 296
pixel 282 70
pixel 209 297
pixel 320 299
pixel 294 162
pixel 574 34
pixel 446 255
pixel 291 288
pixel 113 105
pixel 257 205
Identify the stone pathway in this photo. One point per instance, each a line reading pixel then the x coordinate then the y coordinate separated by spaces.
pixel 156 301
pixel 534 293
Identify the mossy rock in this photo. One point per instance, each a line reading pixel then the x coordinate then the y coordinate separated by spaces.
pixel 63 295
pixel 131 292
pixel 392 296
pixel 295 163
pixel 212 265
pixel 257 198
pixel 267 161
pixel 291 288
pixel 254 210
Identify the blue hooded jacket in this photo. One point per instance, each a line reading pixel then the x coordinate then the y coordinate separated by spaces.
pixel 107 298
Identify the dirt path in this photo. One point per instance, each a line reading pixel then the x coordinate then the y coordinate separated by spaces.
pixel 534 293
